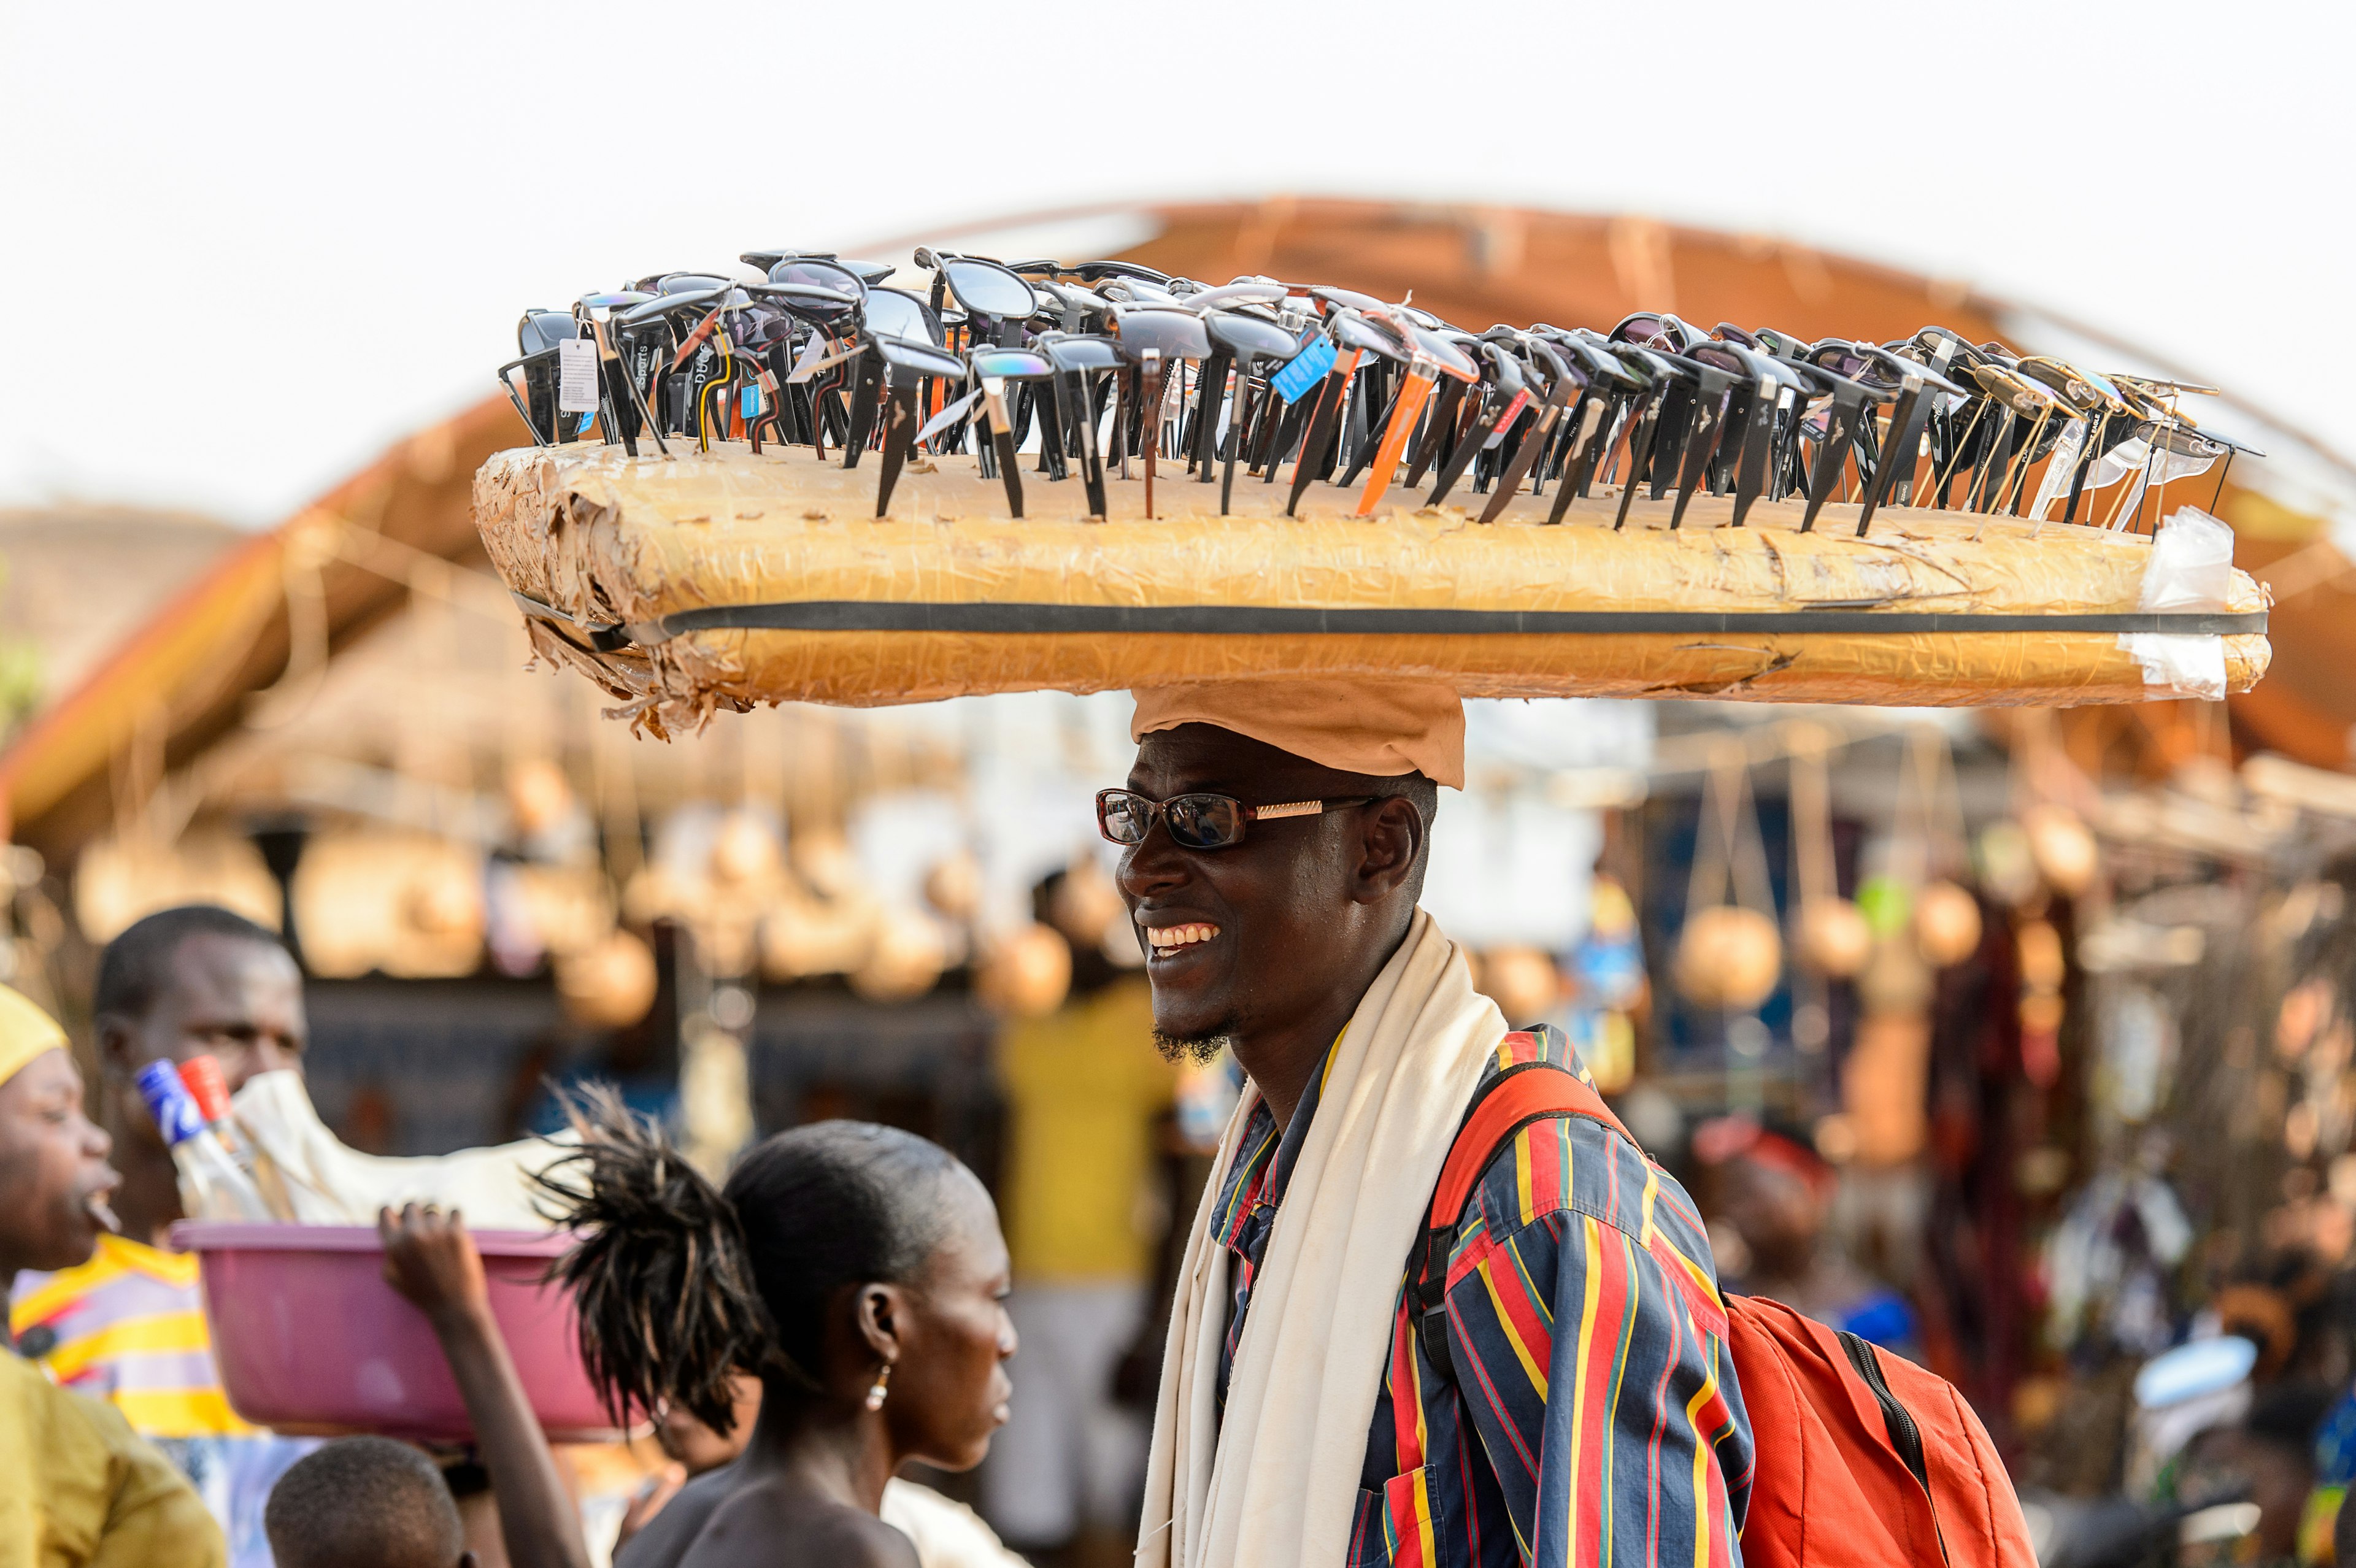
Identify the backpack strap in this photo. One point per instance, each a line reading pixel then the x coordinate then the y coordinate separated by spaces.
pixel 1526 1092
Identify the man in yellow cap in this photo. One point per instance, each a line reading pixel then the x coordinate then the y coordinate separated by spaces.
pixel 76 1487
pixel 1572 1404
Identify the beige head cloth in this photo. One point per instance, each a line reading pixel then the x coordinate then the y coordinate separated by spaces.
pixel 1385 728
pixel 26 1032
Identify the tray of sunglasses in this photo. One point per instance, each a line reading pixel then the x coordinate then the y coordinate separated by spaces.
pixel 726 578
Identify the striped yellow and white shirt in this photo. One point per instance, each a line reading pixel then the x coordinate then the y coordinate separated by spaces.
pixel 128 1328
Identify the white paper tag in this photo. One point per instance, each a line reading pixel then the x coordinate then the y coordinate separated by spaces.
pixel 576 376
pixel 806 366
pixel 946 418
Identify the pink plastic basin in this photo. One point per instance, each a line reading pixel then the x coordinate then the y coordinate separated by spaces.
pixel 311 1339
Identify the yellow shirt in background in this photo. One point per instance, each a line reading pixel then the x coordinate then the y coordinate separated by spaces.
pixel 78 1490
pixel 1083 1086
pixel 128 1328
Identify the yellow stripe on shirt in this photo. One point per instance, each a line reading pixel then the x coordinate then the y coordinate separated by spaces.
pixel 179 1413
pixel 116 1256
pixel 1530 1368
pixel 159 1334
pixel 62 1290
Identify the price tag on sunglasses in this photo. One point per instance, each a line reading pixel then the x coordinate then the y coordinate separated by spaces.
pixel 811 362
pixel 576 376
pixel 749 401
pixel 1303 370
pixel 947 417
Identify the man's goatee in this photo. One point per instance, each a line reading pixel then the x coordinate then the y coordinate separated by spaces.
pixel 1201 1050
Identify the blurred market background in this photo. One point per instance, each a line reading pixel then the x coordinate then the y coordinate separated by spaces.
pixel 2058 1009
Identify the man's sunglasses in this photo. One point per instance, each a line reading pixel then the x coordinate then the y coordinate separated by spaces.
pixel 1197 821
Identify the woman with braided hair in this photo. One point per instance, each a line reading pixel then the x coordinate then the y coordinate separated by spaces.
pixel 856 1270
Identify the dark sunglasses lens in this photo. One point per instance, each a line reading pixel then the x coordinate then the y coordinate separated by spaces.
pixel 1175 333
pixel 1083 354
pixel 1357 332
pixel 1245 336
pixel 891 314
pixel 821 275
pixel 545 329
pixel 1451 359
pixel 991 291
pixel 916 359
pixel 1123 817
pixel 1203 821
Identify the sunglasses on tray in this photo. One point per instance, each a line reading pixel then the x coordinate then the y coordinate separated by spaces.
pixel 1078 369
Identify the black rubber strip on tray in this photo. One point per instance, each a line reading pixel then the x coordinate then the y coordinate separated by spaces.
pixel 1260 620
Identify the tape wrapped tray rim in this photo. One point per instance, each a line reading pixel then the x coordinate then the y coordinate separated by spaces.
pixel 727 579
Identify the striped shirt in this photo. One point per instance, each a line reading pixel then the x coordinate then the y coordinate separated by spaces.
pixel 128 1328
pixel 1595 1418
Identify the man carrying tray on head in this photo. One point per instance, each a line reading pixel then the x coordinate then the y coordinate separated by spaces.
pixel 1276 837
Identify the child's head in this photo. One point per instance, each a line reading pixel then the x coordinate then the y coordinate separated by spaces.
pixel 364 1502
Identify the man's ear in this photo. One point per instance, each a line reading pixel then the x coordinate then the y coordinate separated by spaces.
pixel 112 1035
pixel 1392 840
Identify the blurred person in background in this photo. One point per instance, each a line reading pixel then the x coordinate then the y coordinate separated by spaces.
pixel 127 1326
pixel 692 1449
pixel 1770 1195
pixel 77 1487
pixel 1086 1093
pixel 2268 1459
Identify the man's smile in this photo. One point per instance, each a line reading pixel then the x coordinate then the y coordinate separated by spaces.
pixel 1166 942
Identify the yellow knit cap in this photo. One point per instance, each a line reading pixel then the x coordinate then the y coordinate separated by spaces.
pixel 26 1032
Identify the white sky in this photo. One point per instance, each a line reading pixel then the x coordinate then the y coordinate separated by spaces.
pixel 250 244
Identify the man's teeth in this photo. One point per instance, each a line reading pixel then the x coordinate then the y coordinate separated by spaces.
pixel 1170 938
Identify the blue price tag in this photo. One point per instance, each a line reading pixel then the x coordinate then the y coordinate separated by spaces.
pixel 749 400
pixel 1305 369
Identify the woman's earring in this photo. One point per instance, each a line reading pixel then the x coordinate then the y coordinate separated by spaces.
pixel 882 1387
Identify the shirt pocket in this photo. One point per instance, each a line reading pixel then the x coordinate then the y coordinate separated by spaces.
pixel 1393 1527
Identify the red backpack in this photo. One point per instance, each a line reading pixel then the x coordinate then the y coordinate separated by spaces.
pixel 1862 1460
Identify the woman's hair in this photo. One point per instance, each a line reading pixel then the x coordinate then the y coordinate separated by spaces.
pixel 678 1286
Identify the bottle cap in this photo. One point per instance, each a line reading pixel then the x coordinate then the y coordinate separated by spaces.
pixel 169 1103
pixel 201 1075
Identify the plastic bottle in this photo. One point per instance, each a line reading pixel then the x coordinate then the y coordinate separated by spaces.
pixel 202 1076
pixel 212 1185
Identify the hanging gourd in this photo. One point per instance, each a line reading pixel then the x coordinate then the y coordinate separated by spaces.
pixel 1729 955
pixel 1522 981
pixel 953 886
pixel 1832 937
pixel 1025 974
pixel 1928 844
pixel 1085 902
pixel 609 984
pixel 2062 847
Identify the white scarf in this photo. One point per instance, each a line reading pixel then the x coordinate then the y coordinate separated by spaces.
pixel 1275 1485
